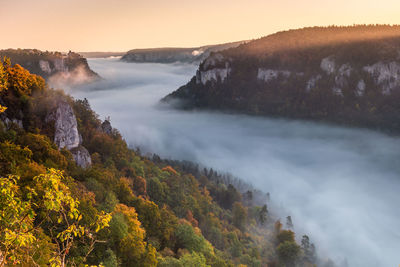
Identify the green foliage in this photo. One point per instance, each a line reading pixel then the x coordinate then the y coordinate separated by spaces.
pixel 31 58
pixel 288 252
pixel 132 248
pixel 58 210
pixel 285 235
pixel 300 53
pixel 188 239
pixel 3 83
pixel 190 259
pixel 110 259
pixel 239 215
pixel 43 150
pixel 161 212
pixel 16 221
pixel 13 157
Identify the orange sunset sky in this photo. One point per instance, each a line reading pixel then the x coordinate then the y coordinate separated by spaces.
pixel 120 25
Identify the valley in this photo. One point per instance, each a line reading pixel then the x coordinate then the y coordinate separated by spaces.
pixel 338 184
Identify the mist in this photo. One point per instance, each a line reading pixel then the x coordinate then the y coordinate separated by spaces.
pixel 340 186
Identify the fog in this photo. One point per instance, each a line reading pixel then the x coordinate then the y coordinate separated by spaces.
pixel 341 186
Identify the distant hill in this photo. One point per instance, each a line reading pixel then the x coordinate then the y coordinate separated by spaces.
pixel 171 55
pixel 101 54
pixel 348 75
pixel 56 67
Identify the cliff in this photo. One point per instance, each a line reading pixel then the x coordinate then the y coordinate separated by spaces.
pixel 66 133
pixel 347 75
pixel 109 201
pixel 171 55
pixel 55 67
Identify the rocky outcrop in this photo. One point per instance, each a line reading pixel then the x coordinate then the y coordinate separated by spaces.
pixel 214 69
pixel 212 61
pixel 213 75
pixel 45 66
pixel 386 75
pixel 57 68
pixel 66 133
pixel 106 127
pixel 267 75
pixel 9 122
pixel 342 76
pixel 328 65
pixel 81 157
pixel 66 128
pixel 360 90
pixel 339 74
pixel 312 82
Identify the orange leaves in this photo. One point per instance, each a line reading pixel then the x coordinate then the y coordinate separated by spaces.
pixel 170 170
pixel 22 82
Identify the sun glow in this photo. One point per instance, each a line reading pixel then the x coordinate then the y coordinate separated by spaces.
pixel 120 25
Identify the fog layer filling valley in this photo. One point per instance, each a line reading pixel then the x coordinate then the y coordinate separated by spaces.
pixel 340 186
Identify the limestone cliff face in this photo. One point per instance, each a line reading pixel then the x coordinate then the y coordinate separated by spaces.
pixel 214 69
pixel 346 75
pixel 57 68
pixel 218 71
pixel 81 157
pixel 386 75
pixel 66 128
pixel 66 133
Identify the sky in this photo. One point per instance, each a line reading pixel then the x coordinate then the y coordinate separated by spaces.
pixel 121 25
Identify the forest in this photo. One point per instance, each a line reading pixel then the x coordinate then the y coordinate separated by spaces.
pixel 345 75
pixel 46 64
pixel 125 209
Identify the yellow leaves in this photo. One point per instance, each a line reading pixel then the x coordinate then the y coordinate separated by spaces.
pixel 55 262
pixel 2 109
pixel 73 230
pixel 3 78
pixel 56 195
pixel 16 219
pixel 132 245
pixel 22 82
pixel 103 220
pixel 53 197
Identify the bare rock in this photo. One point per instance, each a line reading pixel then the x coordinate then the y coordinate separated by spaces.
pixel 66 133
pixel 106 127
pixel 66 128
pixel 82 157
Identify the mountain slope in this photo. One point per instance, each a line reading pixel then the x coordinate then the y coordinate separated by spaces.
pixel 55 67
pixel 170 54
pixel 348 75
pixel 101 54
pixel 119 208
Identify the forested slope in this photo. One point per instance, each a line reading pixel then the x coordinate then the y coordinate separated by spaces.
pixel 77 195
pixel 347 75
pixel 56 67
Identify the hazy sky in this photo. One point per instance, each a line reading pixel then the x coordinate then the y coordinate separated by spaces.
pixel 120 25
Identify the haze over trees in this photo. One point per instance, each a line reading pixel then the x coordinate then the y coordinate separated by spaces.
pixel 124 209
pixel 348 75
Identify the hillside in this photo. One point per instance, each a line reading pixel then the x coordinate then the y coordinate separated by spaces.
pixel 170 54
pixel 101 54
pixel 57 68
pixel 73 193
pixel 347 75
